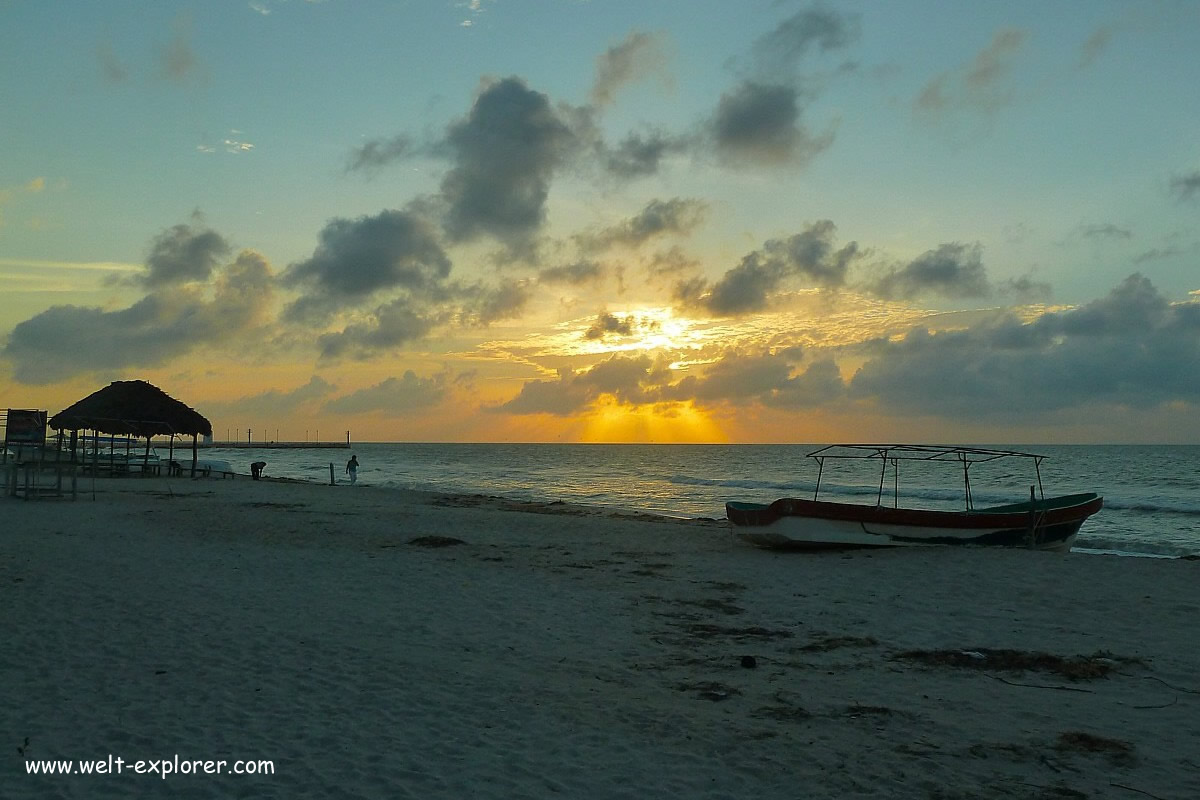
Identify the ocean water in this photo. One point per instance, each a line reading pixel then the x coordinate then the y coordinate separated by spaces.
pixel 1151 493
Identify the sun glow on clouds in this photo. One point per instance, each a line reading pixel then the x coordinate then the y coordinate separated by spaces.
pixel 808 319
pixel 664 423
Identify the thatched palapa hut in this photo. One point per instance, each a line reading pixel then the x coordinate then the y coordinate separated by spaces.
pixel 132 408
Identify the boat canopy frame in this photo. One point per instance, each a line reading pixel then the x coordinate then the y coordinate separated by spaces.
pixel 893 454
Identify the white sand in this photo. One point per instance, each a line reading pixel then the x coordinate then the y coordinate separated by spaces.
pixel 558 655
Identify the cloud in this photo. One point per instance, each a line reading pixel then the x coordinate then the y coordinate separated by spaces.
pixel 670 262
pixel 378 153
pixel 610 324
pixel 1156 253
pixel 484 305
pixel 111 67
pixel 639 155
pixel 177 60
pixel 69 340
pixel 676 216
pixel 266 7
pixel 980 85
pixel 773 379
pixel 1026 290
pixel 356 258
pixel 737 378
pixel 391 325
pixel 636 57
pixel 759 124
pixel 276 402
pixel 779 52
pixel 737 375
pixel 475 7
pixel 1131 348
pixel 748 287
pixel 235 144
pixel 1105 230
pixel 505 152
pixel 395 396
pixel 574 274
pixel 1187 186
pixel 953 270
pixel 183 253
pixel 620 377
pixel 1095 45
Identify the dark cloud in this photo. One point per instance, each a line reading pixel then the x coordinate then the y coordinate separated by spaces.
pixel 378 153
pixel 622 378
pixel 677 216
pixel 183 253
pixel 574 274
pixel 609 324
pixel 692 292
pixel 1131 348
pixel 484 305
pixel 356 258
pixel 670 262
pixel 1156 253
pixel 1105 230
pixel 1026 290
pixel 759 124
pixel 748 287
pixel 65 341
pixel 819 385
pixel 505 153
pixel 275 401
pixel 769 378
pixel 394 396
pixel 981 85
pixel 1186 187
pixel 736 378
pixel 639 155
pixel 779 52
pixel 392 325
pixel 177 60
pixel 953 270
pixel 636 57
pixel 1095 45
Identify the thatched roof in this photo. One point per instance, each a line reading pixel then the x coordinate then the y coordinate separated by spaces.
pixel 131 407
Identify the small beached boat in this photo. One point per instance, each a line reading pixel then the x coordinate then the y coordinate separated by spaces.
pixel 1044 523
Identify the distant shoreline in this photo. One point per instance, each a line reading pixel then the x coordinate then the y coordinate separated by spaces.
pixel 259 445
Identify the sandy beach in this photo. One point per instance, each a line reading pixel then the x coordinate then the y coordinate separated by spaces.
pixel 375 643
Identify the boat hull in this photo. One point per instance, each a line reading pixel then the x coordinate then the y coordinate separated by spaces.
pixel 791 523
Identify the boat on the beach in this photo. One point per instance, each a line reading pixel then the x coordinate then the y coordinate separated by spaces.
pixel 1043 523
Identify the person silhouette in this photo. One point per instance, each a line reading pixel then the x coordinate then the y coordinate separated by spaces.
pixel 352 469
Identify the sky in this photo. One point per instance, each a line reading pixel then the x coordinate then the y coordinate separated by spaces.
pixel 608 220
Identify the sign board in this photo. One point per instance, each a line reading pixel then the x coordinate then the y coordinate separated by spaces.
pixel 25 427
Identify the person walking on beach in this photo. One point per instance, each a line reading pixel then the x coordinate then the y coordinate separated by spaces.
pixel 352 469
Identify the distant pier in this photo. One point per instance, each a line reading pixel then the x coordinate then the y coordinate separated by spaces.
pixel 268 445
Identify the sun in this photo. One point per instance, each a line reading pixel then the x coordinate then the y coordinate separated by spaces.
pixel 662 423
